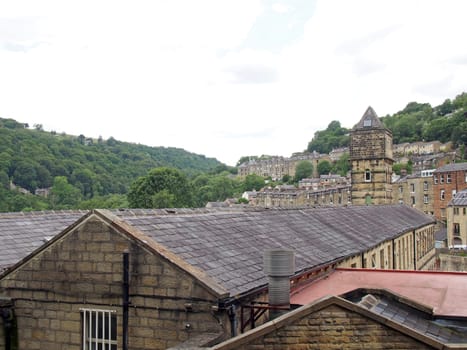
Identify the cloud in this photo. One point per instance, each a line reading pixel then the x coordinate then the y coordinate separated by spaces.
pixel 280 8
pixel 252 74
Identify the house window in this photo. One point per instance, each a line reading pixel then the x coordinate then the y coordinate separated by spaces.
pixel 425 199
pixel 400 189
pixel 412 188
pixel 456 211
pixel 425 185
pixel 99 329
pixel 465 175
pixel 367 175
pixel 435 179
pixel 463 211
pixel 442 195
pixel 448 178
pixel 441 179
pixel 456 229
pixel 413 200
pixel 373 260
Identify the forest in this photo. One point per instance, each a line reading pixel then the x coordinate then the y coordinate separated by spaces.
pixel 81 172
pixel 416 122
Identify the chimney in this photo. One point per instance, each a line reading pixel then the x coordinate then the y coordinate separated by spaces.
pixel 279 265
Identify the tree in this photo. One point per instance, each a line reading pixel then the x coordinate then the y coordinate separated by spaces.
pixel 303 170
pixel 253 182
pixel 324 167
pixel 63 195
pixel 161 187
pixel 342 166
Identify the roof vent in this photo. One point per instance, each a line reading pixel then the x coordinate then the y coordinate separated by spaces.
pixel 279 265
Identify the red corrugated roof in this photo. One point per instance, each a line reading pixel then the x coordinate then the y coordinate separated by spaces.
pixel 444 292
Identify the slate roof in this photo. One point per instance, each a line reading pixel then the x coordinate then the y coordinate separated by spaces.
pixel 451 167
pixel 459 199
pixel 369 120
pixel 22 233
pixel 228 243
pixel 392 308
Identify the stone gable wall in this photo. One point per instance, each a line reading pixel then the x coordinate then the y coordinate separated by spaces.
pixel 331 328
pixel 84 269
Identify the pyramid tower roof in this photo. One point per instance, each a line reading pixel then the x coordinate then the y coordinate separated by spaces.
pixel 369 120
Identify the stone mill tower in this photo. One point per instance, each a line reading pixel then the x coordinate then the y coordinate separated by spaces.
pixel 371 161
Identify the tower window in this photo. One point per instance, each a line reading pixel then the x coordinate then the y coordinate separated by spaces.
pixel 367 175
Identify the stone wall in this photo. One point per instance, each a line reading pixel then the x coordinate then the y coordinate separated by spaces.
pixel 332 327
pixel 452 262
pixel 84 269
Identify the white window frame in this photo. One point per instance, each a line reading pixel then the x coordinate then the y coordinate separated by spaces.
pixel 96 316
pixel 367 175
pixel 442 195
pixel 425 199
pixel 448 178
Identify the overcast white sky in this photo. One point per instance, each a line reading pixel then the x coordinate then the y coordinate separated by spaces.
pixel 224 78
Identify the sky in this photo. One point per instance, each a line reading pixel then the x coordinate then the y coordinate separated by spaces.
pixel 224 79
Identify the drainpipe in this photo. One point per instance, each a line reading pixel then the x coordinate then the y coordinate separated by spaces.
pixel 126 298
pixel 9 326
pixel 233 320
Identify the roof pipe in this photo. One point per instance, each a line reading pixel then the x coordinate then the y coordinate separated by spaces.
pixel 279 265
pixel 126 297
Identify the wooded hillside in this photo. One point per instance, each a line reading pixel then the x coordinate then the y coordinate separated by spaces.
pixel 33 158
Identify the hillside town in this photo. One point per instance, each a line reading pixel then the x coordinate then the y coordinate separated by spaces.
pixel 368 260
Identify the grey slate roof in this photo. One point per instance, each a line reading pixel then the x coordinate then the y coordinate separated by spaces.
pixel 460 199
pixel 451 167
pixel 388 306
pixel 369 120
pixel 22 233
pixel 228 244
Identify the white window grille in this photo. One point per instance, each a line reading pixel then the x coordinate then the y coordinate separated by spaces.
pixel 367 175
pixel 99 329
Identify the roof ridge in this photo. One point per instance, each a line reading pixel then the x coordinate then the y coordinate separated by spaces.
pixel 43 212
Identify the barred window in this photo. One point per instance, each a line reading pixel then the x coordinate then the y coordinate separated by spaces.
pixel 99 329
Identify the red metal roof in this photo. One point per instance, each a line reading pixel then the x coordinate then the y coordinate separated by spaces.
pixel 444 292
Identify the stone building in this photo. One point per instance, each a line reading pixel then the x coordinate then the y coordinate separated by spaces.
pixel 415 190
pixel 447 181
pixel 456 215
pixel 277 167
pixel 371 161
pixel 158 278
pixel 292 197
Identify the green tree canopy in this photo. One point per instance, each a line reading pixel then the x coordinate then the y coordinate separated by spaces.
pixel 303 170
pixel 161 188
pixel 324 167
pixel 325 141
pixel 64 195
pixel 253 182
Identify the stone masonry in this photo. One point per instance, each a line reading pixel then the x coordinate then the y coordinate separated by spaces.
pixel 83 269
pixel 332 327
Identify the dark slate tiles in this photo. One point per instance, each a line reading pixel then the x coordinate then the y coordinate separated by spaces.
pixel 228 244
pixel 22 233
